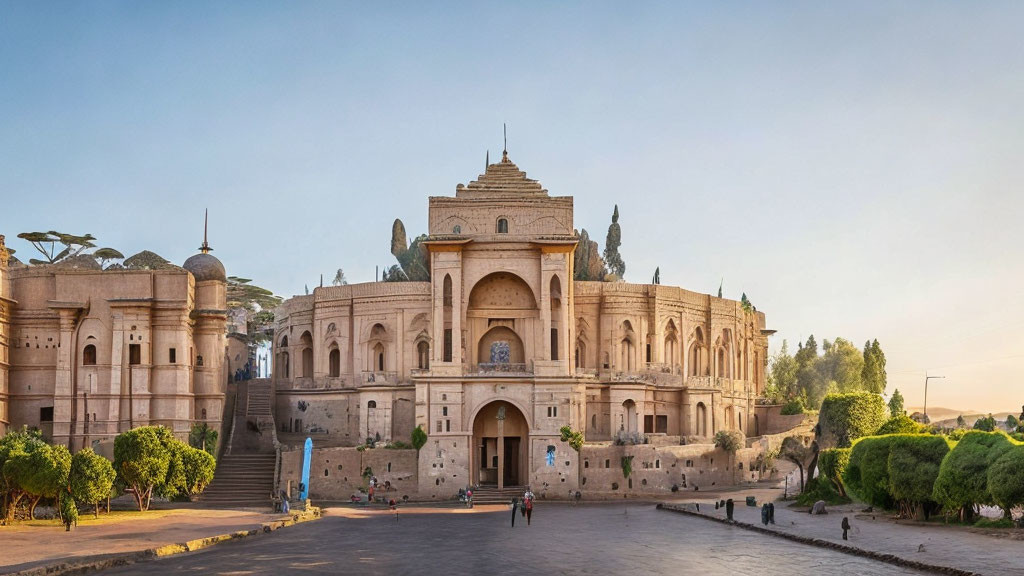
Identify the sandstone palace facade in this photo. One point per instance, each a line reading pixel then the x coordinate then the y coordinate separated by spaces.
pixel 502 347
pixel 87 353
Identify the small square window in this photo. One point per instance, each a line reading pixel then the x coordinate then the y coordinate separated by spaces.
pixel 172 356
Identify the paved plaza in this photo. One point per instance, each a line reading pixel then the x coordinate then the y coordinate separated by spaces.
pixel 588 539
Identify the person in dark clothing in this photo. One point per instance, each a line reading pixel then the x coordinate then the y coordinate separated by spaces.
pixel 729 506
pixel 515 508
pixel 764 514
pixel 771 512
pixel 846 527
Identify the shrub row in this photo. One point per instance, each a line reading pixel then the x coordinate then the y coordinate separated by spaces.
pixel 921 473
pixel 149 460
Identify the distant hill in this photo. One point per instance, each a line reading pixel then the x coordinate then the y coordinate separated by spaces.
pixel 946 417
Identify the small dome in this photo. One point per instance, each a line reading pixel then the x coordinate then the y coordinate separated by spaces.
pixel 205 267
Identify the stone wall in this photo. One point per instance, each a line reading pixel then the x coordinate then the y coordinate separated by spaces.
pixel 336 473
pixel 656 469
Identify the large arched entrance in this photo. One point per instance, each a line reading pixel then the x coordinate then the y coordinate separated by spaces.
pixel 500 444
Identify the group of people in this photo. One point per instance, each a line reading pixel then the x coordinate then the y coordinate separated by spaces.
pixel 242 374
pixel 523 505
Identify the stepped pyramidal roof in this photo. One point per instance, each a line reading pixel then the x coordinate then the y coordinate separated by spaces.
pixel 503 178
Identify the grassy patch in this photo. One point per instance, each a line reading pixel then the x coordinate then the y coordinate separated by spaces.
pixel 994 523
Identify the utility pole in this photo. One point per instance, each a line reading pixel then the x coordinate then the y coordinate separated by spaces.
pixel 926 379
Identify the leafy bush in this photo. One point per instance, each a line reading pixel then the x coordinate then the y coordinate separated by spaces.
pixel 914 462
pixel 847 417
pixel 819 489
pixel 728 440
pixel 575 439
pixel 1006 479
pixel 199 467
pixel 794 406
pixel 203 437
pixel 91 478
pixel 832 464
pixel 994 523
pixel 419 438
pixel 963 475
pixel 986 423
pixel 627 466
pixel 900 424
pixel 867 474
pixel 68 509
pixel 141 461
pixel 397 445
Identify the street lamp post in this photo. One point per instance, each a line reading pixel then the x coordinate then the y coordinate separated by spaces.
pixel 926 379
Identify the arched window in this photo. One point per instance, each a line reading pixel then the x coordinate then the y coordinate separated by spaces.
pixel 423 355
pixel 555 296
pixel 378 357
pixel 502 226
pixel 334 363
pixel 371 404
pixel 702 420
pixel 447 309
pixel 284 342
pixel 89 355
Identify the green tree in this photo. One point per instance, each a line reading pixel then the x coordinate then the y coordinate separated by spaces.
pixel 339 278
pixel 746 304
pixel 419 438
pixel 901 424
pixel 867 474
pixel 14 447
pixel 914 462
pixel 203 437
pixel 616 266
pixel 987 423
pixel 782 377
pixel 809 381
pixel 896 404
pixel 91 478
pixel 793 450
pixel 846 417
pixel 199 467
pixel 413 259
pixel 1011 423
pixel 873 373
pixel 68 509
pixel 1006 479
pixel 729 441
pixel 843 364
pixel 832 465
pixel 963 476
pixel 141 461
pixel 47 473
pixel 46 244
pixel 587 261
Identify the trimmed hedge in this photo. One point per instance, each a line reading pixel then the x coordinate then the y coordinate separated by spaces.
pixel 832 464
pixel 1006 479
pixel 847 417
pixel 914 461
pixel 963 475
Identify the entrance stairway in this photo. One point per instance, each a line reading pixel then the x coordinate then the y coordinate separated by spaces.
pixel 492 495
pixel 245 472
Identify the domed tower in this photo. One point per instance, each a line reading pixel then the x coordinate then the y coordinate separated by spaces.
pixel 209 316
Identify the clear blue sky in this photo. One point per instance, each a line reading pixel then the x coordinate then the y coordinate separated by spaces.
pixel 856 170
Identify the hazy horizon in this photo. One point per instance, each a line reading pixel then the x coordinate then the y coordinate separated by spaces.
pixel 855 170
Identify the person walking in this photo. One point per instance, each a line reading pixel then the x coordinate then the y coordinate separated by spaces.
pixel 729 508
pixel 764 514
pixel 846 527
pixel 529 510
pixel 515 508
pixel 771 512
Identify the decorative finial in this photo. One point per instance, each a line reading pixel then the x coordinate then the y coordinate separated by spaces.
pixel 487 162
pixel 504 133
pixel 205 248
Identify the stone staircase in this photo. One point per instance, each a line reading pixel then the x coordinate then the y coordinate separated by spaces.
pixel 245 472
pixel 492 495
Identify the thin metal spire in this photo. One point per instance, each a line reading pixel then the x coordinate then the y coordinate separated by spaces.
pixel 504 134
pixel 205 248
pixel 487 162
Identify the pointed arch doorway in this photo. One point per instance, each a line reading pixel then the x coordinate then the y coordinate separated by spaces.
pixel 500 442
